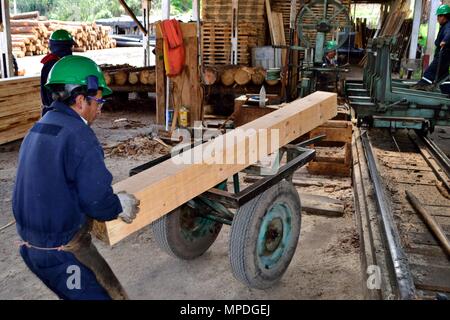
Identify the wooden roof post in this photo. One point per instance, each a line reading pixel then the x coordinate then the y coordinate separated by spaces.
pixel 6 65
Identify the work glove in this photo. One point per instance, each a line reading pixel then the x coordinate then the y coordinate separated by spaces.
pixel 130 206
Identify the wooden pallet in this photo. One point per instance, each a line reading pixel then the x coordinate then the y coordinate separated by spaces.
pixel 216 30
pixel 338 132
pixel 216 42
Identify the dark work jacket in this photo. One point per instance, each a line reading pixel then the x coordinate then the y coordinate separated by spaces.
pixel 327 63
pixel 59 49
pixel 443 35
pixel 46 96
pixel 61 179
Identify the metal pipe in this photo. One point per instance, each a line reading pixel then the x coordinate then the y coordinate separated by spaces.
pixel 167 102
pixel 165 8
pixel 432 22
pixel 237 188
pixel 439 155
pixel 399 260
pixel 415 29
pixel 217 219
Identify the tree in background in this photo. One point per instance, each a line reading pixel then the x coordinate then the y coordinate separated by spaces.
pixel 32 5
pixel 90 10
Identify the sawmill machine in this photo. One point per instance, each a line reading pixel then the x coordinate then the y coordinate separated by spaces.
pixel 318 22
pixel 380 101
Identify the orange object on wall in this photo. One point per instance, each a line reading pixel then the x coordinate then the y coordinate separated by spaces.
pixel 174 51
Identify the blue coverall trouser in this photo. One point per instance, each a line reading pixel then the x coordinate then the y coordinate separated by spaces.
pixel 430 73
pixel 62 273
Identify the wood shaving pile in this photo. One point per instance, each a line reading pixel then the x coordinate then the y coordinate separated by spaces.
pixel 138 146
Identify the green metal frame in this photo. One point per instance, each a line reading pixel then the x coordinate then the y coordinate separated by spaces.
pixel 389 103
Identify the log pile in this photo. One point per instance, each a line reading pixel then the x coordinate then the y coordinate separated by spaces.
pixel 20 106
pixel 120 75
pixel 235 75
pixel 31 36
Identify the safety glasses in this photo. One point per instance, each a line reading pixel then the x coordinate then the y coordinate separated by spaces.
pixel 99 101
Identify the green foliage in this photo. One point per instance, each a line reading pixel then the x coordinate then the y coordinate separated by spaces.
pixel 180 6
pixel 32 5
pixel 90 10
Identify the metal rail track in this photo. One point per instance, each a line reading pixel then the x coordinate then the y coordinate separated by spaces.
pixel 398 259
pixel 392 234
pixel 438 154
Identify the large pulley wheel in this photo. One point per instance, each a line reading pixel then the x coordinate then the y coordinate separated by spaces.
pixel 185 234
pixel 264 236
pixel 328 17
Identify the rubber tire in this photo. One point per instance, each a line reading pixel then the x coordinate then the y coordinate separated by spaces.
pixel 168 236
pixel 244 235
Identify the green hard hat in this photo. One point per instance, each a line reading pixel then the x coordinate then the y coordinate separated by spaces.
pixel 443 9
pixel 330 45
pixel 75 70
pixel 61 35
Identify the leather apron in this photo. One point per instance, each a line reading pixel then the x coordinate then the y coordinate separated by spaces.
pixel 83 249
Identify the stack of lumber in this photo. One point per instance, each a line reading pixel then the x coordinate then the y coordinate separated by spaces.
pixel 31 37
pixel 216 42
pixel 216 30
pixel 393 20
pixel 284 7
pixel 392 23
pixel 235 75
pixel 121 75
pixel 174 182
pixel 20 106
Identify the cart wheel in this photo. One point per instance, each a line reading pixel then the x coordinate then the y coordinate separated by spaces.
pixel 184 234
pixel 264 236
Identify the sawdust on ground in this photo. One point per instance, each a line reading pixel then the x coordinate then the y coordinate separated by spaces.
pixel 326 264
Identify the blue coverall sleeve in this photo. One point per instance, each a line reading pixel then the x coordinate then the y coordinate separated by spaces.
pixel 95 193
pixel 446 37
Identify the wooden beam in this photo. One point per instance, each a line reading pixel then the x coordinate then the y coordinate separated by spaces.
pixel 168 185
pixel 321 205
pixel 430 221
pixel 270 20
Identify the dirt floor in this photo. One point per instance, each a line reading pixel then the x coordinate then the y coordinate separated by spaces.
pixel 326 264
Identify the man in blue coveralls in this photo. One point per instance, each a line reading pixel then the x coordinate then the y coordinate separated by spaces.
pixel 62 184
pixel 60 44
pixel 441 59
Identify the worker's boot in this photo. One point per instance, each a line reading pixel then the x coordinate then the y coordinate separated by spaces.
pixel 423 86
